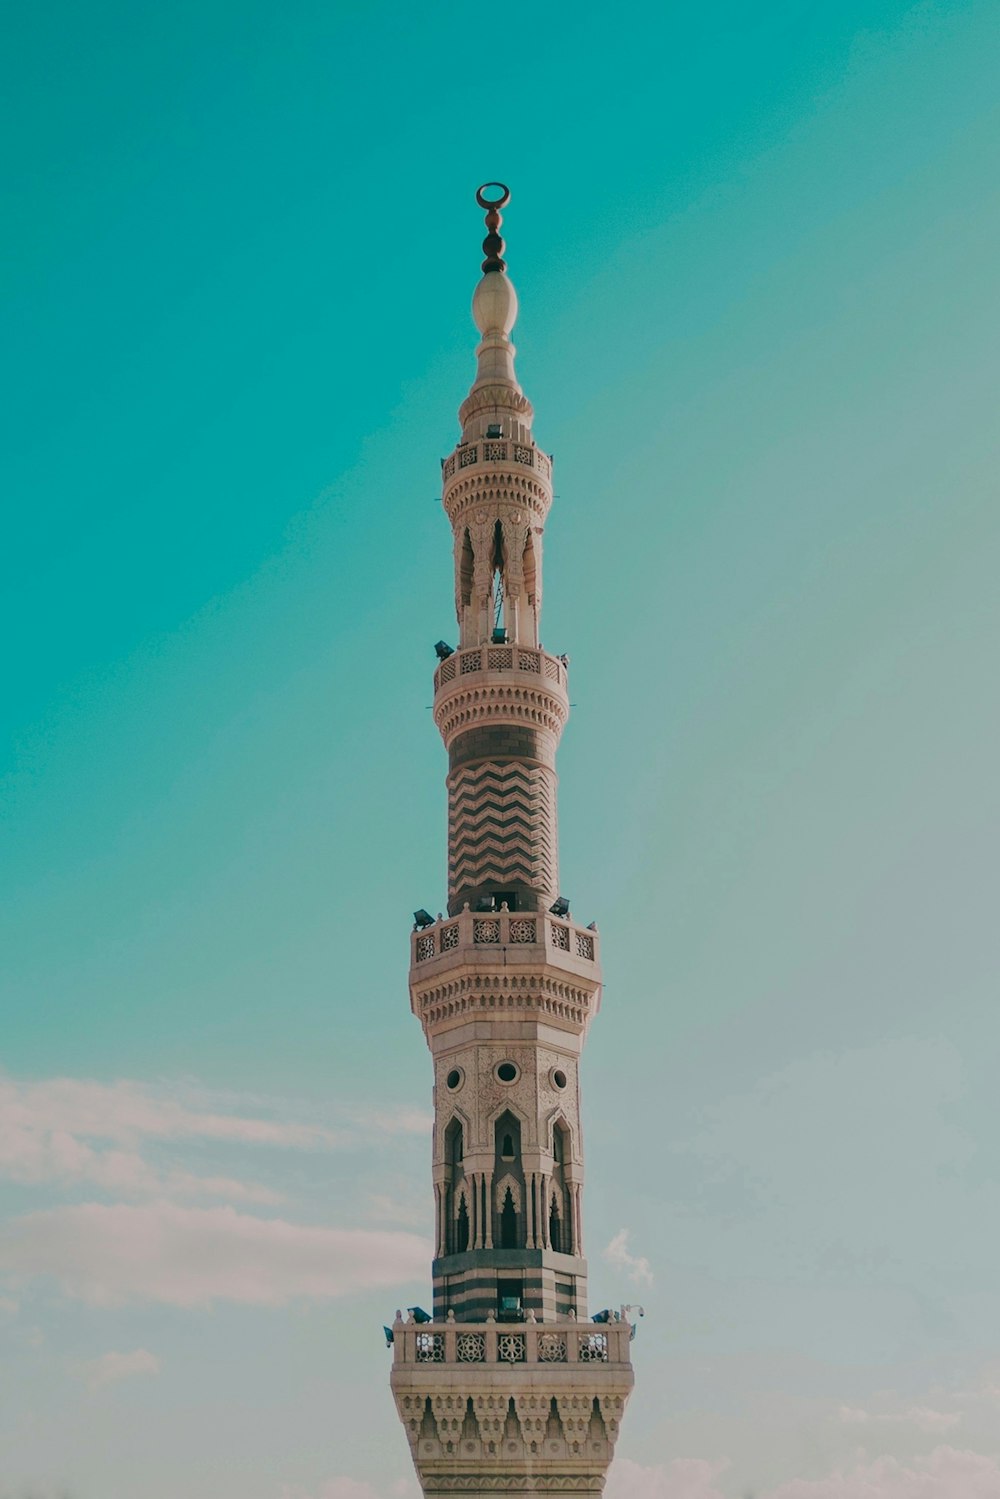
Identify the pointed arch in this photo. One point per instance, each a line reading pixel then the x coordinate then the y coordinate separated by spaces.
pixel 462 1222
pixel 446 1124
pixel 466 567
pixel 510 1223
pixel 557 1120
pixel 507 1183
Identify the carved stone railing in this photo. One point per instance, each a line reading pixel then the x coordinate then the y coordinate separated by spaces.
pixel 520 660
pixel 530 935
pixel 491 450
pixel 507 1343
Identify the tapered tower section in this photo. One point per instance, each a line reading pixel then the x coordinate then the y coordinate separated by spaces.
pixel 509 1388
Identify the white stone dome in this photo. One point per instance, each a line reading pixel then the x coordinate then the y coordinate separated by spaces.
pixel 494 304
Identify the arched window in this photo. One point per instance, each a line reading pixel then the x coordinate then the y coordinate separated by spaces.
pixel 508 1136
pixel 453 1151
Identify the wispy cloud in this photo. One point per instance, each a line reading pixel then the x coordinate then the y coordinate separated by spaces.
pixel 353 1488
pixel 67 1131
pixel 113 1367
pixel 945 1473
pixel 182 1256
pixel 683 1478
pixel 924 1417
pixel 636 1267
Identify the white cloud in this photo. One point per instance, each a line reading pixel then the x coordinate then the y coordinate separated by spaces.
pixel 110 1255
pixel 946 1473
pixel 70 1131
pixel 353 1488
pixel 683 1478
pixel 112 1367
pixel 636 1267
pixel 924 1417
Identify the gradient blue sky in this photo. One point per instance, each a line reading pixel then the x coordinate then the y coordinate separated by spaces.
pixel 756 249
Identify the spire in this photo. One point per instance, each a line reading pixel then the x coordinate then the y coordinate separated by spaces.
pixel 494 310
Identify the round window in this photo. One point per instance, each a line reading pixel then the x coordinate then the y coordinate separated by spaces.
pixel 558 1078
pixel 507 1072
pixel 454 1078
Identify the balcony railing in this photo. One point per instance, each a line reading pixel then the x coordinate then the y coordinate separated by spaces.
pixel 501 1343
pixel 510 932
pixel 529 664
pixel 494 450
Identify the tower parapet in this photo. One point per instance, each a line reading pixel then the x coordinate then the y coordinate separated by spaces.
pixel 508 1387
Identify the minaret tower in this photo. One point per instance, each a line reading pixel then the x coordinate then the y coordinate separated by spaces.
pixel 509 1387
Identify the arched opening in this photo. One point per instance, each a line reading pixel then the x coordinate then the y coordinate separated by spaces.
pixel 560 1222
pixel 453 1143
pixel 509 1226
pixel 462 1227
pixel 455 1203
pixel 508 1222
pixel 508 1136
pixel 466 569
pixel 497 567
pixel 555 1226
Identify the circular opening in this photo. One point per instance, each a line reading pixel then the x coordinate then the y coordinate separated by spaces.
pixel 507 1072
pixel 454 1078
pixel 493 195
pixel 558 1077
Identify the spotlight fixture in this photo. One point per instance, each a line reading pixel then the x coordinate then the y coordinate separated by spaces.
pixel 389 1338
pixel 421 919
pixel 604 1316
pixel 591 926
pixel 419 1315
pixel 499 636
pixel 559 907
pixel 443 650
pixel 484 903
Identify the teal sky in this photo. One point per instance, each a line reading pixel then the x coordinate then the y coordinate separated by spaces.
pixel 756 249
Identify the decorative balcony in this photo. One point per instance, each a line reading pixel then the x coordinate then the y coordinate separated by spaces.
pixel 513 662
pixel 510 937
pixel 491 451
pixel 503 1343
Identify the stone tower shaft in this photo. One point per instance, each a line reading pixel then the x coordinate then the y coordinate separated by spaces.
pixel 505 987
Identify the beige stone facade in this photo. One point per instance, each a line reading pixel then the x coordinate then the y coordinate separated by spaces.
pixel 509 1388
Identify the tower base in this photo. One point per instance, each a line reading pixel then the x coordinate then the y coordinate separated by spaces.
pixel 520 1409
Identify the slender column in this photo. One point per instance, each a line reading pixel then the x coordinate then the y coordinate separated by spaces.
pixel 488 1202
pixel 545 1211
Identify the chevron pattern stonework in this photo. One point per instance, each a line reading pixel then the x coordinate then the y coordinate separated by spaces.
pixel 502 828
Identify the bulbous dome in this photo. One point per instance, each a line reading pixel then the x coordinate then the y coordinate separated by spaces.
pixel 494 304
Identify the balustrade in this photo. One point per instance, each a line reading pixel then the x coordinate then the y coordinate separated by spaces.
pixel 494 1343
